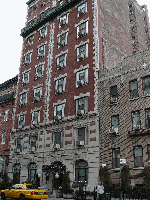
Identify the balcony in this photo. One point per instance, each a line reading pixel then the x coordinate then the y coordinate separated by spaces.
pixel 50 15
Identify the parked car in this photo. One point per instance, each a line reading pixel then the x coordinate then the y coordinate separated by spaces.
pixel 22 192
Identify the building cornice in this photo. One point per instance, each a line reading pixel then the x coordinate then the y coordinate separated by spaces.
pixel 52 14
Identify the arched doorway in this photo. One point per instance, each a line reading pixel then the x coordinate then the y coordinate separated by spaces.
pixel 16 173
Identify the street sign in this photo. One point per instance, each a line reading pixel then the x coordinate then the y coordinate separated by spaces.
pixel 122 161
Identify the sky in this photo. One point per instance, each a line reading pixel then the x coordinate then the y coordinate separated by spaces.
pixel 13 18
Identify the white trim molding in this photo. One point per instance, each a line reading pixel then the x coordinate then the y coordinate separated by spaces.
pixel 81 22
pixel 61 53
pixel 60 76
pixel 81 95
pixel 81 43
pixel 59 102
pixel 81 68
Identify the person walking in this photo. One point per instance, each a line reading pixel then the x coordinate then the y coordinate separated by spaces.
pixel 100 190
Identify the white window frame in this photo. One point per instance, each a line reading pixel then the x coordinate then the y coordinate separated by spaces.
pixel 6 115
pixel 21 100
pixel 21 144
pixel 42 34
pixel 134 125
pixel 81 33
pixel 3 137
pixel 80 83
pixel 36 70
pixel 30 142
pixel 39 55
pixel 82 7
pixel 114 127
pixel 61 143
pixel 82 56
pixel 38 117
pixel 62 43
pixel 22 122
pixel 63 20
pixel 35 91
pixel 57 88
pixel 57 108
pixel 23 79
pixel 61 65
pixel 29 43
pixel 25 58
pixel 86 137
pixel 78 102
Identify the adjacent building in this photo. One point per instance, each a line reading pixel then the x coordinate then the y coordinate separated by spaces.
pixel 57 114
pixel 124 107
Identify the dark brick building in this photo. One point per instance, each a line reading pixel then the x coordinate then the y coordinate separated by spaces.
pixel 65 44
pixel 7 97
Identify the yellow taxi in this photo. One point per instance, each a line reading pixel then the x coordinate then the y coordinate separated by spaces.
pixel 22 192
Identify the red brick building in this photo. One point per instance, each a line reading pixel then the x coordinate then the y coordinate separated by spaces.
pixel 7 97
pixel 65 44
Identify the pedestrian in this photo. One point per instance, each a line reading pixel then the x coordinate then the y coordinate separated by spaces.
pixel 100 190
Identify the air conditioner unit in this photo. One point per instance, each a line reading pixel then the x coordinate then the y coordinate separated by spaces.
pixel 137 127
pixel 22 104
pixel 80 112
pixel 80 83
pixel 40 54
pixel 114 100
pixel 81 33
pixel 59 117
pixel 79 143
pixel 33 149
pixel 36 98
pixel 20 126
pixel 34 122
pixel 61 43
pixel 56 118
pixel 57 146
pixel 63 22
pixel 113 131
pixel 27 61
pixel 81 57
pixel 17 150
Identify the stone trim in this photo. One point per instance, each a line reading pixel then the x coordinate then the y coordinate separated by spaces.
pixel 62 32
pixel 82 43
pixel 22 113
pixel 60 76
pixel 61 53
pixel 24 91
pixel 59 102
pixel 38 85
pixel 42 44
pixel 26 70
pixel 81 95
pixel 28 52
pixel 82 21
pixel 81 68
pixel 35 109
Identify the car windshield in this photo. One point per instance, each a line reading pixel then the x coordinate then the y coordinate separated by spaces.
pixel 28 187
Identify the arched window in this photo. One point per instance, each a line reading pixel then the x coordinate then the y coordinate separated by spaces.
pixel 81 170
pixel 32 168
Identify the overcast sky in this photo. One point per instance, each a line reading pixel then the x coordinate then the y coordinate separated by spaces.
pixel 13 18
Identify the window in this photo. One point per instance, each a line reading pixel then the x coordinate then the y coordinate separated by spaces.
pixel 133 89
pixel 6 115
pixel 58 138
pixel 116 158
pixel 114 124
pixel 60 86
pixel 41 51
pixel 25 77
pixel 82 78
pixel 138 156
pixel 133 41
pixel 146 85
pixel 62 40
pixel 136 120
pixel 59 112
pixel 32 169
pixel 39 71
pixel 37 94
pixel 31 10
pixel 113 94
pixel 3 137
pixel 82 29
pixel 81 106
pixel 21 121
pixel 27 59
pixel 82 9
pixel 19 144
pixel 81 170
pixel 33 142
pixel 30 40
pixel 147 113
pixel 81 136
pixel 82 52
pixel 63 20
pixel 35 117
pixel 23 99
pixel 130 9
pixel 43 32
pixel 61 61
pixel 42 15
pixel 16 169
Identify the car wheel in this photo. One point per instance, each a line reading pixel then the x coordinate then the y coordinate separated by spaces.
pixel 22 197
pixel 3 196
